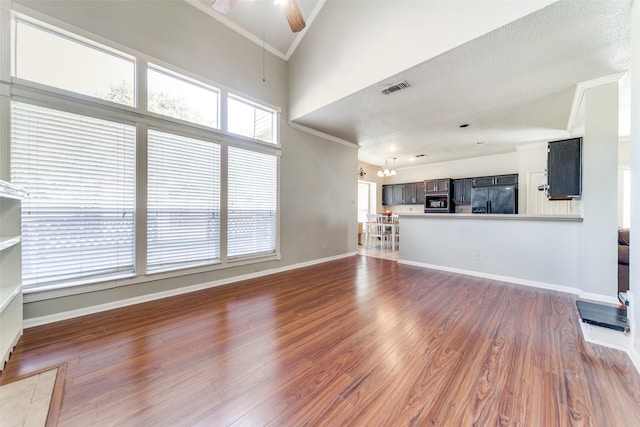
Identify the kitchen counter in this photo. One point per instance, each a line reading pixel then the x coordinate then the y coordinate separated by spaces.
pixel 534 250
pixel 514 217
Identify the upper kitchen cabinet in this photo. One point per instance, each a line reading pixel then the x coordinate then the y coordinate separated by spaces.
pixel 420 193
pixel 437 185
pixel 462 191
pixel 387 195
pixel 564 168
pixel 403 194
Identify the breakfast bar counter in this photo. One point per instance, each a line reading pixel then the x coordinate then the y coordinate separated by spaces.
pixel 537 250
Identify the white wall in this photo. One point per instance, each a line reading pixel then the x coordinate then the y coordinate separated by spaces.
pixel 599 256
pixel 541 253
pixel 392 37
pixel 634 257
pixel 318 193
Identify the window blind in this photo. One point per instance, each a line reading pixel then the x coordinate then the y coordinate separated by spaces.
pixel 252 203
pixel 183 201
pixel 79 171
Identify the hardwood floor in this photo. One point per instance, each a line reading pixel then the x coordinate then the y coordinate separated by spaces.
pixel 359 341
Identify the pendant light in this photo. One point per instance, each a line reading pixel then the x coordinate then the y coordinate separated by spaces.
pixel 386 171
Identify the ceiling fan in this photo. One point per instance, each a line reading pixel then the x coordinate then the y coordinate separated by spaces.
pixel 291 12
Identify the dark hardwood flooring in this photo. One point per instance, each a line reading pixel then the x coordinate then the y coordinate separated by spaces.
pixel 359 341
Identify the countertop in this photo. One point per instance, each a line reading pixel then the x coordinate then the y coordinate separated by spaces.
pixel 512 217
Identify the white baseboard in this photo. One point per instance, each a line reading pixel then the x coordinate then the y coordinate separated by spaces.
pixel 43 320
pixel 509 279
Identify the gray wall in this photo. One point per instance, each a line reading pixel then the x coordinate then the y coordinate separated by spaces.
pixel 318 192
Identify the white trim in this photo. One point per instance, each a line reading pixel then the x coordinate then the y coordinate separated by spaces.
pixel 43 320
pixel 579 95
pixel 298 39
pixel 634 355
pixel 235 27
pixel 518 281
pixel 323 135
pixel 255 39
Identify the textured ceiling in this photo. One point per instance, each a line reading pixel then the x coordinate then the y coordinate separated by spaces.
pixel 514 85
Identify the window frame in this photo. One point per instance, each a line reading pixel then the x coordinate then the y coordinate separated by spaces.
pixel 14 88
pixel 272 111
pixel 149 65
pixel 73 36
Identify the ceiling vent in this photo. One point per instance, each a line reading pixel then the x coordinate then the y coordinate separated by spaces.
pixel 396 87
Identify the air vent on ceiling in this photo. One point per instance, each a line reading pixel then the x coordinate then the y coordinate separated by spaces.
pixel 396 87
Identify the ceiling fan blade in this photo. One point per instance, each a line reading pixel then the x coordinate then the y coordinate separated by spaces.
pixel 294 16
pixel 223 6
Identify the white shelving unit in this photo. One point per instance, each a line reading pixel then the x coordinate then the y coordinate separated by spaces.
pixel 10 269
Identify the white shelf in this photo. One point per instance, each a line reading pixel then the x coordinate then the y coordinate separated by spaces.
pixel 10 191
pixel 7 294
pixel 10 269
pixel 7 241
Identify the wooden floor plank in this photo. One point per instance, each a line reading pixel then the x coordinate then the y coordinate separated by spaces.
pixel 358 341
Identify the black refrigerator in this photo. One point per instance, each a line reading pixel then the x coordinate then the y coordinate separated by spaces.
pixel 495 194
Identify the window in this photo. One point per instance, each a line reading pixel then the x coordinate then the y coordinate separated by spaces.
pixel 248 119
pixel 251 225
pixel 364 201
pixel 183 201
pixel 177 96
pixel 78 219
pixel 77 157
pixel 50 58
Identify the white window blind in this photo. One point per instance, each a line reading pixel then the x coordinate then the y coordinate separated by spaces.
pixel 78 218
pixel 183 201
pixel 252 203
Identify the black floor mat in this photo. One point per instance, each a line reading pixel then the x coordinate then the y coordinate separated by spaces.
pixel 603 315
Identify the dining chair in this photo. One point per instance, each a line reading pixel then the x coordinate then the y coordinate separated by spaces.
pixel 375 230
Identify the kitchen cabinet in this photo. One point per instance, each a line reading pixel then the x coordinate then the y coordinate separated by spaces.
pixel 411 193
pixel 398 191
pixel 387 195
pixel 437 185
pixel 462 191
pixel 420 194
pixel 10 269
pixel 564 164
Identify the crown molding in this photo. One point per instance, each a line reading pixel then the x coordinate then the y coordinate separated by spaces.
pixel 581 88
pixel 323 135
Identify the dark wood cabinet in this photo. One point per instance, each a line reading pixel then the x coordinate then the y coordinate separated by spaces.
pixel 420 194
pixel 398 192
pixel 411 193
pixel 437 185
pixel 387 195
pixel 564 164
pixel 462 191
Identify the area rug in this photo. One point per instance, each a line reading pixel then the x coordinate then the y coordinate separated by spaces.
pixel 33 401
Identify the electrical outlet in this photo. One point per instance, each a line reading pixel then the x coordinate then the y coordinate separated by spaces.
pixel 475 256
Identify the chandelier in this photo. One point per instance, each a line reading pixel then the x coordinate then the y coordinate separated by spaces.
pixel 386 171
